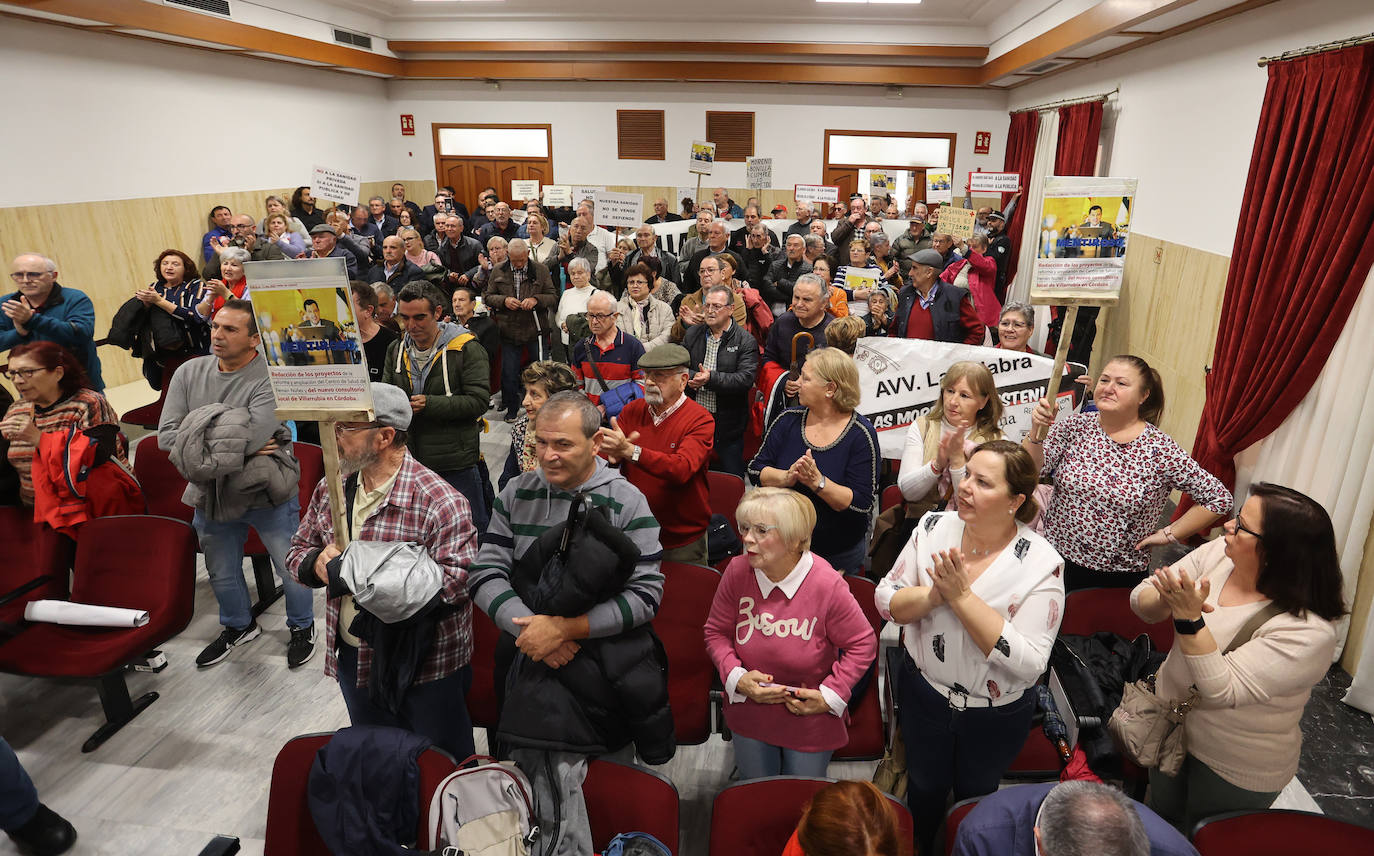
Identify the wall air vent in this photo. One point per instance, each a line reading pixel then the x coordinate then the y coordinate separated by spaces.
pixel 209 7
pixel 1051 65
pixel 357 40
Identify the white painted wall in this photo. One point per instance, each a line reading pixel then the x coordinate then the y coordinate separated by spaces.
pixel 93 117
pixel 1188 110
pixel 789 124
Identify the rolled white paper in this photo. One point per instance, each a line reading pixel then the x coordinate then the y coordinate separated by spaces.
pixel 83 614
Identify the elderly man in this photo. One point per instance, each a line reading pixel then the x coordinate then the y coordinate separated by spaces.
pixel 805 214
pixel 646 246
pixel 603 240
pixel 444 372
pixel 324 244
pixel 1066 819
pixel 807 315
pixel 573 244
pixel 386 305
pixel 760 251
pixel 724 362
pixel 567 438
pixel 520 294
pixel 717 241
pixel 395 269
pixel 360 222
pixel 227 497
pixel 663 212
pixel 501 224
pixel 819 232
pixel 243 233
pixel 914 239
pixel 739 238
pixel 930 309
pixel 943 243
pixel 662 443
pixel 376 338
pixel 42 310
pixel 392 497
pixel 457 251
pixel 723 203
pixel 497 249
pixel 609 357
pixel 710 272
pixel 383 222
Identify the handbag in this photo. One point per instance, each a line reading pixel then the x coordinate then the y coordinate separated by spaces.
pixel 1149 729
pixel 612 398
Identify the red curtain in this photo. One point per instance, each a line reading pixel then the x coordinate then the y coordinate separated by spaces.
pixel 1080 127
pixel 1025 126
pixel 1302 250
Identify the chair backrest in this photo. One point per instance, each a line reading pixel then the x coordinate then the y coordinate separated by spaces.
pixel 138 561
pixel 481 696
pixel 290 828
pixel 756 818
pixel 1088 611
pixel 867 738
pixel 629 798
pixel 31 550
pixel 892 495
pixel 162 484
pixel 953 818
pixel 726 491
pixel 312 469
pixel 1279 832
pixel 687 594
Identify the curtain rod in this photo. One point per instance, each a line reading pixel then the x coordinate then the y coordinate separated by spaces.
pixel 1067 101
pixel 1316 49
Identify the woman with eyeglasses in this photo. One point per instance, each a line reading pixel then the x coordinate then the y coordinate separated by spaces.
pixel 415 248
pixel 788 639
pixel 54 393
pixel 1015 326
pixel 1277 564
pixel 1113 471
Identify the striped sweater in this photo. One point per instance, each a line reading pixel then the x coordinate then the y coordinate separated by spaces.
pixel 527 507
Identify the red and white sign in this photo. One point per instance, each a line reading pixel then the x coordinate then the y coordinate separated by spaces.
pixel 407 125
pixel 994 182
pixel 982 142
pixel 809 193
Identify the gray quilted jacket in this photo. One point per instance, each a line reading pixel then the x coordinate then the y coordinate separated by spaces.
pixel 226 480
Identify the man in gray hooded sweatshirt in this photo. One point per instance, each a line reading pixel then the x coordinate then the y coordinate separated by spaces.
pixel 444 370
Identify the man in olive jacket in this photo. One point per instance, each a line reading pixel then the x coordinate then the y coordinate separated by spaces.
pixel 519 294
pixel 444 370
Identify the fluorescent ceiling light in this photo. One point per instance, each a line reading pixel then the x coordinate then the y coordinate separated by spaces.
pixel 875 2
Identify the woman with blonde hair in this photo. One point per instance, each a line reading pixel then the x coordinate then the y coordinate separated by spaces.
pixel 969 412
pixel 415 248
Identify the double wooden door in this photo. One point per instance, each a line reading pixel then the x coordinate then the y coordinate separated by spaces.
pixel 468 176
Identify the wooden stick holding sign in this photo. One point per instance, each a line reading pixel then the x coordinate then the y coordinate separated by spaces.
pixel 329 443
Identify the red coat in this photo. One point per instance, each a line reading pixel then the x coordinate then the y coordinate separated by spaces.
pixel 982 285
pixel 71 484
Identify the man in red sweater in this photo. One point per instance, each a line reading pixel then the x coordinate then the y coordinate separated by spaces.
pixel 662 443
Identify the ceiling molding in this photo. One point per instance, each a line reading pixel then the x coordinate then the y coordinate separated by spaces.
pixel 969 52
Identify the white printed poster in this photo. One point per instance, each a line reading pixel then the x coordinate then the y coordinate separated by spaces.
pixel 703 157
pixel 759 172
pixel 813 193
pixel 618 209
pixel 899 381
pixel 1084 227
pixel 558 195
pixel 524 190
pixel 335 185
pixel 309 335
pixel 585 191
pixel 994 182
pixel 939 185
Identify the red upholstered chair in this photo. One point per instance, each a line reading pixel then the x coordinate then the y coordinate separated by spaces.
pixel 755 818
pixel 953 818
pixel 1038 760
pixel 162 484
pixel 892 495
pixel 725 490
pixel 290 828
pixel 1088 611
pixel 481 697
pixel 1279 832
pixel 36 562
pixel 629 798
pixel 134 561
pixel 687 594
pixel 867 739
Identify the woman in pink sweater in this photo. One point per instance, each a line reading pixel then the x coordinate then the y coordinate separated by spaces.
pixel 789 640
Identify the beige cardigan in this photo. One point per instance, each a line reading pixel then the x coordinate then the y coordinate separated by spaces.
pixel 1245 726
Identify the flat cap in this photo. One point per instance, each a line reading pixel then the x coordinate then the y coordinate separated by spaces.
pixel 391 405
pixel 666 357
pixel 929 258
pixel 322 228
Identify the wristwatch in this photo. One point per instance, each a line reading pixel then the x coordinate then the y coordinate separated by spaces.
pixel 1184 627
pixel 820 485
pixel 634 456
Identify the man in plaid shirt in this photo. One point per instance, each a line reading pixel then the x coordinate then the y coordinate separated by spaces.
pixel 391 497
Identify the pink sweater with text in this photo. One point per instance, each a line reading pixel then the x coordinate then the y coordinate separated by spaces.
pixel 798 641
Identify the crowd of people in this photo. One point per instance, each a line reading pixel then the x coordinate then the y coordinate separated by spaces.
pixel 627 373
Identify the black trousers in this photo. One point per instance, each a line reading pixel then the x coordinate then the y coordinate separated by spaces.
pixel 966 751
pixel 1077 577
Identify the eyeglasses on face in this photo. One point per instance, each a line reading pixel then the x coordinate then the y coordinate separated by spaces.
pixel 600 316
pixel 27 276
pixel 758 530
pixel 340 428
pixel 1015 325
pixel 1241 527
pixel 15 374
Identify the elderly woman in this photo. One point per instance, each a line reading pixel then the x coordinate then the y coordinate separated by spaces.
pixel 54 394
pixel 175 290
pixel 848 818
pixel 881 303
pixel 1276 573
pixel 1113 473
pixel 642 314
pixel 1015 327
pixel 542 379
pixel 788 639
pixel 829 453
pixel 980 597
pixel 278 230
pixel 230 284
pixel 573 301
pixel 543 248
pixel 415 247
pixel 937 444
pixel 275 205
pixel 858 261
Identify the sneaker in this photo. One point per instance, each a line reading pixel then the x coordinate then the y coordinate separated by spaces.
pixel 219 649
pixel 302 645
pixel 512 418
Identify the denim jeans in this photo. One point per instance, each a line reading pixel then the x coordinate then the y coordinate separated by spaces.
pixel 18 799
pixel 222 543
pixel 757 759
pixel 469 482
pixel 435 709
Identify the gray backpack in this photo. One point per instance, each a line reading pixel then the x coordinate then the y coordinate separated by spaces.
pixel 486 809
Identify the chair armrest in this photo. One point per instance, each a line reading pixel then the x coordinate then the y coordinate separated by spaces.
pixel 24 589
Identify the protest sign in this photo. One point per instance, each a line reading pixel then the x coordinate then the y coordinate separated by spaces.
pixel 703 157
pixel 859 278
pixel 1084 229
pixel 812 193
pixel 759 172
pixel 939 185
pixel 309 337
pixel 558 195
pixel 994 182
pixel 335 185
pixel 957 222
pixel 585 191
pixel 683 193
pixel 618 209
pixel 524 190
pixel 899 381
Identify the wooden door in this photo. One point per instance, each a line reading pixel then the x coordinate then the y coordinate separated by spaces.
pixel 468 176
pixel 847 179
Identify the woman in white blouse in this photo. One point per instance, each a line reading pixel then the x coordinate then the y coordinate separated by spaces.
pixel 980 596
pixel 938 443
pixel 574 300
pixel 543 249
